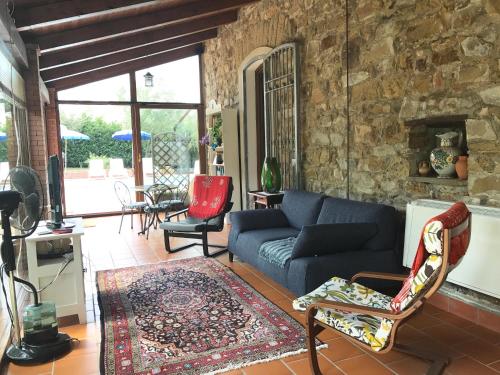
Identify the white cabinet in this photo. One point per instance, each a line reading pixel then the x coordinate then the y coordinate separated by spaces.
pixel 68 291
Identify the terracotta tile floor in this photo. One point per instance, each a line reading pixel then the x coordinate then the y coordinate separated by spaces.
pixel 475 350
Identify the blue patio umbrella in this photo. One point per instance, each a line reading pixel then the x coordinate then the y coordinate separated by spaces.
pixel 3 137
pixel 126 135
pixel 71 135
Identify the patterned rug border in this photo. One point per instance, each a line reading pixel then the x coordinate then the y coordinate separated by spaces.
pixel 321 346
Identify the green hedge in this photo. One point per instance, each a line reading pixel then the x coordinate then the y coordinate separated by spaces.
pixel 100 144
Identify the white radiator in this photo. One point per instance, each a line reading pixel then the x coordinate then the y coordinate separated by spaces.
pixel 480 268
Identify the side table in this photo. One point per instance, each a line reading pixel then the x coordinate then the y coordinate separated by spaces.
pixel 267 200
pixel 68 291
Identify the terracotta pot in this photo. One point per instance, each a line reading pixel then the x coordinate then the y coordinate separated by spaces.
pixel 461 168
pixel 423 168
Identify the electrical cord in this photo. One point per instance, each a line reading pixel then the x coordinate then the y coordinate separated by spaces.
pixel 69 259
pixel 2 267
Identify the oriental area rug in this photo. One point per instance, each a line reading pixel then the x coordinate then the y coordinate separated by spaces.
pixel 190 316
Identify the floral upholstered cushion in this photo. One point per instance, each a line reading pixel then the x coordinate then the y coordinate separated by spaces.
pixel 427 271
pixel 368 329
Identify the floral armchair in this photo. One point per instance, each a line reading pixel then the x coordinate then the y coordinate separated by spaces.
pixel 371 319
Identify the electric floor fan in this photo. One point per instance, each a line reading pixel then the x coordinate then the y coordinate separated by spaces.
pixel 21 206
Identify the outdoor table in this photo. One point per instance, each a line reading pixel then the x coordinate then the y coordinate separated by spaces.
pixel 154 198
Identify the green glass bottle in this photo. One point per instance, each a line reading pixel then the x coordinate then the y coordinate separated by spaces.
pixel 271 175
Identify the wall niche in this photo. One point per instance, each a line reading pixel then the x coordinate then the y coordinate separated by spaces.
pixel 423 139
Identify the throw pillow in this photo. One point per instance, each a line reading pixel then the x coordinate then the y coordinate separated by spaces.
pixel 322 239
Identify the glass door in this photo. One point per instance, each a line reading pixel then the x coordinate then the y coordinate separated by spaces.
pixel 96 144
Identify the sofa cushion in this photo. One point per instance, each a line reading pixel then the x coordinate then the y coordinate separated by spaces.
pixel 322 239
pixel 252 240
pixel 337 210
pixel 301 207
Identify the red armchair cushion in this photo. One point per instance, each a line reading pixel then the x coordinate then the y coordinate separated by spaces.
pixel 210 195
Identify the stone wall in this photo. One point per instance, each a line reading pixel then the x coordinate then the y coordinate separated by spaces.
pixel 408 59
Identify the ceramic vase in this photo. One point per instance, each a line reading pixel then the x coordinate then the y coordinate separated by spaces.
pixel 444 157
pixel 271 175
pixel 462 168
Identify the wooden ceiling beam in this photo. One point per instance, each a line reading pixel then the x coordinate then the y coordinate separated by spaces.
pixel 41 13
pixel 116 70
pixel 186 12
pixel 127 55
pixel 12 41
pixel 72 54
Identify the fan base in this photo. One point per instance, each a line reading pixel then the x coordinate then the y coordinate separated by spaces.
pixel 31 354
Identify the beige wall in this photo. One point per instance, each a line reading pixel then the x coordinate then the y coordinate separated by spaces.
pixel 408 59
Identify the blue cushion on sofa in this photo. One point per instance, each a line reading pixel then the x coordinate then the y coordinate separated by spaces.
pixel 301 207
pixel 323 239
pixel 337 210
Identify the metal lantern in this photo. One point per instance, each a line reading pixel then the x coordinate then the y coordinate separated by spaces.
pixel 148 79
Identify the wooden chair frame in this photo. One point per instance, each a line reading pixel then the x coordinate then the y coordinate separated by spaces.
pixel 314 327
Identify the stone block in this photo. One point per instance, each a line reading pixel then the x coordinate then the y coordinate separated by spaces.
pixel 428 28
pixel 381 50
pixel 446 56
pixel 491 95
pixel 356 77
pixel 473 46
pixel 485 184
pixel 479 131
pixel 474 73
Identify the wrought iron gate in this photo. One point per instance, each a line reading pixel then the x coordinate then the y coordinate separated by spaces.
pixel 281 98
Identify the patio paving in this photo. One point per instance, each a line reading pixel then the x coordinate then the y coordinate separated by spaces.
pixel 86 195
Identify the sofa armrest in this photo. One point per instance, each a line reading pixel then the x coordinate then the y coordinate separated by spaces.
pixel 243 221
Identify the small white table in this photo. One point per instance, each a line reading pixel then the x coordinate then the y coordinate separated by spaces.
pixel 68 292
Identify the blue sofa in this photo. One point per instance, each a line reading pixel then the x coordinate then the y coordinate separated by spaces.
pixel 347 237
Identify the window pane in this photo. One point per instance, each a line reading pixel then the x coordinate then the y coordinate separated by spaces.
pixel 177 81
pixel 111 89
pixel 93 165
pixel 8 144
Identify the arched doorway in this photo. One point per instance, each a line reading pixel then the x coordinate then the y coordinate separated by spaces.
pixel 251 106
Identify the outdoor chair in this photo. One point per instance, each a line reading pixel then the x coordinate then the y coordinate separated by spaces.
pixel 128 205
pixel 96 168
pixel 160 198
pixel 147 166
pixel 210 202
pixel 372 319
pixel 116 168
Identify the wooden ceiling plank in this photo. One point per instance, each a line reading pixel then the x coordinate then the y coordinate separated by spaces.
pixel 116 70
pixel 130 54
pixel 106 29
pixel 41 13
pixel 69 55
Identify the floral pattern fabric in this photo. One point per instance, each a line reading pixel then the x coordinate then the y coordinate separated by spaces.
pixel 368 329
pixel 429 256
